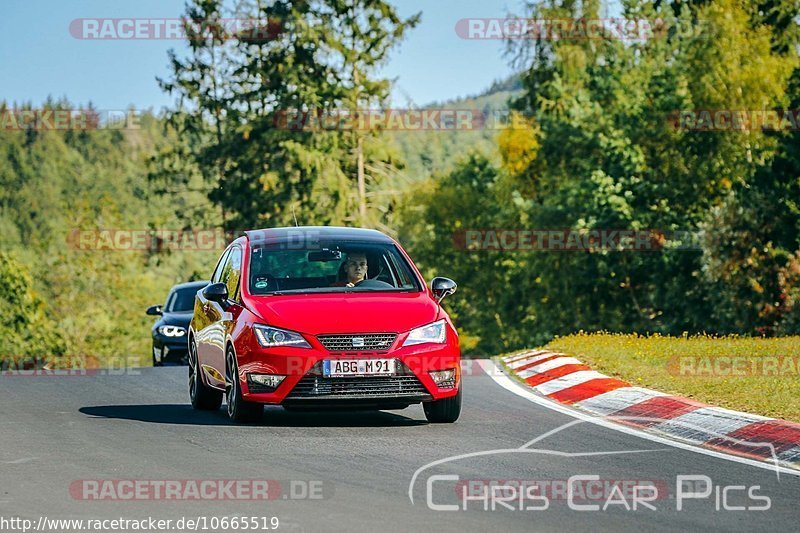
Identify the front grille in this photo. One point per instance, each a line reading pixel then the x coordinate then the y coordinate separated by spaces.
pixel 373 342
pixel 366 388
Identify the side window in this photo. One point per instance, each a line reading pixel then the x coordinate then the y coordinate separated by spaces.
pixel 385 272
pixel 170 301
pixel 403 274
pixel 218 271
pixel 233 272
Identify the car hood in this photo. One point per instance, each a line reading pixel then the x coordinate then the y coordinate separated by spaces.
pixel 176 319
pixel 350 313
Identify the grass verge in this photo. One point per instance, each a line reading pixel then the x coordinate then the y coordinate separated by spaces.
pixel 760 376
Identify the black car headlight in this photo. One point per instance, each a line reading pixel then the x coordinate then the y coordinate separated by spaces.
pixel 172 331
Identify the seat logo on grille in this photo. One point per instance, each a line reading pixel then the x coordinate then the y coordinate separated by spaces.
pixel 358 342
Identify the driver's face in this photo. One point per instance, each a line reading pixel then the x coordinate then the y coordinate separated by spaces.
pixel 356 267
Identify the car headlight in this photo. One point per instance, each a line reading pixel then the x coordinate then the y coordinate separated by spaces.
pixel 434 333
pixel 172 331
pixel 270 337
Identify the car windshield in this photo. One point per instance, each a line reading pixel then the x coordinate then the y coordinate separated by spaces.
pixel 183 300
pixel 330 267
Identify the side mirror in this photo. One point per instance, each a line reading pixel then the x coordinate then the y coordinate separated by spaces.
pixel 442 287
pixel 154 310
pixel 216 292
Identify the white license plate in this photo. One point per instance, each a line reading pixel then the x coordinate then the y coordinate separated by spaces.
pixel 337 368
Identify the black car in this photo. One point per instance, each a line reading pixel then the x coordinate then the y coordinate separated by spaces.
pixel 169 331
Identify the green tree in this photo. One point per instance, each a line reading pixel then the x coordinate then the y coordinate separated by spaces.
pixel 26 331
pixel 492 303
pixel 322 60
pixel 55 183
pixel 609 158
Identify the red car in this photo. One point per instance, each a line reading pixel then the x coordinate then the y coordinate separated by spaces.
pixel 322 317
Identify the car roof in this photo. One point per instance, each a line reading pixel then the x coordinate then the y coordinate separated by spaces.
pixel 189 284
pixel 290 234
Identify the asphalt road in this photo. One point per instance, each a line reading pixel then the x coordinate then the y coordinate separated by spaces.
pixel 57 431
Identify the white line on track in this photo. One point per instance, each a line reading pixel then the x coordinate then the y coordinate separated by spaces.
pixel 552 364
pixel 692 426
pixel 529 360
pixel 525 356
pixel 500 377
pixel 617 400
pixel 570 380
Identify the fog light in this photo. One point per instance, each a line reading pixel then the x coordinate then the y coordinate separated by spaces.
pixel 264 382
pixel 444 379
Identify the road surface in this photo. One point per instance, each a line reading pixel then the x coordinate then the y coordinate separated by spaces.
pixel 351 471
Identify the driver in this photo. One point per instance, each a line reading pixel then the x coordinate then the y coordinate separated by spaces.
pixel 355 270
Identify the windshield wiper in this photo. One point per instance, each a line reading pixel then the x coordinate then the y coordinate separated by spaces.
pixel 336 290
pixel 310 291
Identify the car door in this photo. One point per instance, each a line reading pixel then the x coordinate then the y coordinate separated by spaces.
pixel 207 318
pixel 232 278
pixel 220 318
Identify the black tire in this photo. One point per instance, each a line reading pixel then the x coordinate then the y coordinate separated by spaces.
pixel 239 410
pixel 203 397
pixel 444 411
pixel 156 362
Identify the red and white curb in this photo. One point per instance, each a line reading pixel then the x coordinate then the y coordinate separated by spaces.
pixel 567 380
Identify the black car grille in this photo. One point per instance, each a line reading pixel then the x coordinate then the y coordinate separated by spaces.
pixel 403 385
pixel 389 387
pixel 373 342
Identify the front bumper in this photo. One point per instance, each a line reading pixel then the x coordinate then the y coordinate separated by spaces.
pixel 306 386
pixel 400 390
pixel 172 351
